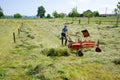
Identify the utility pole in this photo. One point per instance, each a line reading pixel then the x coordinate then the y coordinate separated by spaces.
pixel 106 12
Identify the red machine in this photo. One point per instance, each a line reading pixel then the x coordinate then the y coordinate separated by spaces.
pixel 79 45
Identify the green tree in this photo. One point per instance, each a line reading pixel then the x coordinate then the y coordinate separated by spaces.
pixel 74 13
pixel 88 14
pixel 117 12
pixel 48 16
pixel 62 15
pixel 1 13
pixel 55 14
pixel 96 14
pixel 1 9
pixel 41 12
pixel 17 15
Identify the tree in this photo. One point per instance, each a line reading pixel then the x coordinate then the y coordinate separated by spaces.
pixel 1 9
pixel 1 13
pixel 117 12
pixel 74 13
pixel 48 16
pixel 41 12
pixel 88 14
pixel 62 15
pixel 55 14
pixel 96 14
pixel 17 15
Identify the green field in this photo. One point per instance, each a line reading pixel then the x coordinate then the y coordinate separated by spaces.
pixel 39 55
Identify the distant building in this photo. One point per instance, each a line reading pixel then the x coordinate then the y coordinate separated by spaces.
pixel 81 15
pixel 101 15
pixel 106 15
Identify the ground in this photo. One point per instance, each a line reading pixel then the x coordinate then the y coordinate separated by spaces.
pixel 39 55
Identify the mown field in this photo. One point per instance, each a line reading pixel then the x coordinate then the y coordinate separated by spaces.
pixel 39 55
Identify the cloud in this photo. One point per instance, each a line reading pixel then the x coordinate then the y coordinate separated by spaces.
pixel 95 5
pixel 108 6
pixel 77 2
pixel 72 3
pixel 81 1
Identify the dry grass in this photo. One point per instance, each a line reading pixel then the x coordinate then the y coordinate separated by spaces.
pixel 28 58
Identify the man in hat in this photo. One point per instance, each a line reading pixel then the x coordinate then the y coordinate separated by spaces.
pixel 64 34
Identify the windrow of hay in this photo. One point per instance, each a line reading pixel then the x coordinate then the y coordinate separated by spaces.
pixel 55 52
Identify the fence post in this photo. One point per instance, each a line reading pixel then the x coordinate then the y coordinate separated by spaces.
pixel 14 37
pixel 18 31
pixel 79 21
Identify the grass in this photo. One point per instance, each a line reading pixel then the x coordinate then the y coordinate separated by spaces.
pixel 39 55
pixel 55 52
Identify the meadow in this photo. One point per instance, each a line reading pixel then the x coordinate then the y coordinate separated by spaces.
pixel 39 55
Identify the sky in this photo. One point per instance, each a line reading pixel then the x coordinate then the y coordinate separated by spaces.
pixel 30 7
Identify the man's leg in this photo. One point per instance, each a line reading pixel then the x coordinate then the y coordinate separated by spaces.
pixel 65 41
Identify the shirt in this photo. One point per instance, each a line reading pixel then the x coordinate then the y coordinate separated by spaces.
pixel 64 30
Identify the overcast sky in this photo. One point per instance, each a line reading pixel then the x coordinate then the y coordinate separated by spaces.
pixel 29 7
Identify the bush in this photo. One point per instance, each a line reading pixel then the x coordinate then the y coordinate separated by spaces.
pixel 55 52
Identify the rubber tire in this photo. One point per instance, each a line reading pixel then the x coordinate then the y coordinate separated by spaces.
pixel 79 53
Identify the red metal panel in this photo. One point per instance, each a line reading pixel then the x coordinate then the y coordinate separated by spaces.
pixel 80 45
pixel 85 33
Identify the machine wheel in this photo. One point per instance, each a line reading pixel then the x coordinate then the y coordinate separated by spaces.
pixel 98 49
pixel 79 53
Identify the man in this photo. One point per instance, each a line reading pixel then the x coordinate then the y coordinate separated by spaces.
pixel 64 35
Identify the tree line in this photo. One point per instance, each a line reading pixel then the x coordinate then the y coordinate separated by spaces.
pixel 17 15
pixel 73 13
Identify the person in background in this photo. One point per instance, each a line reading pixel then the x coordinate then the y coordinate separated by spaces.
pixel 64 34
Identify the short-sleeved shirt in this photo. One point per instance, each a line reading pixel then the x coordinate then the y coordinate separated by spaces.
pixel 64 30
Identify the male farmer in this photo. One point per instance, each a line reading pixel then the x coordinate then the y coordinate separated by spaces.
pixel 64 34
